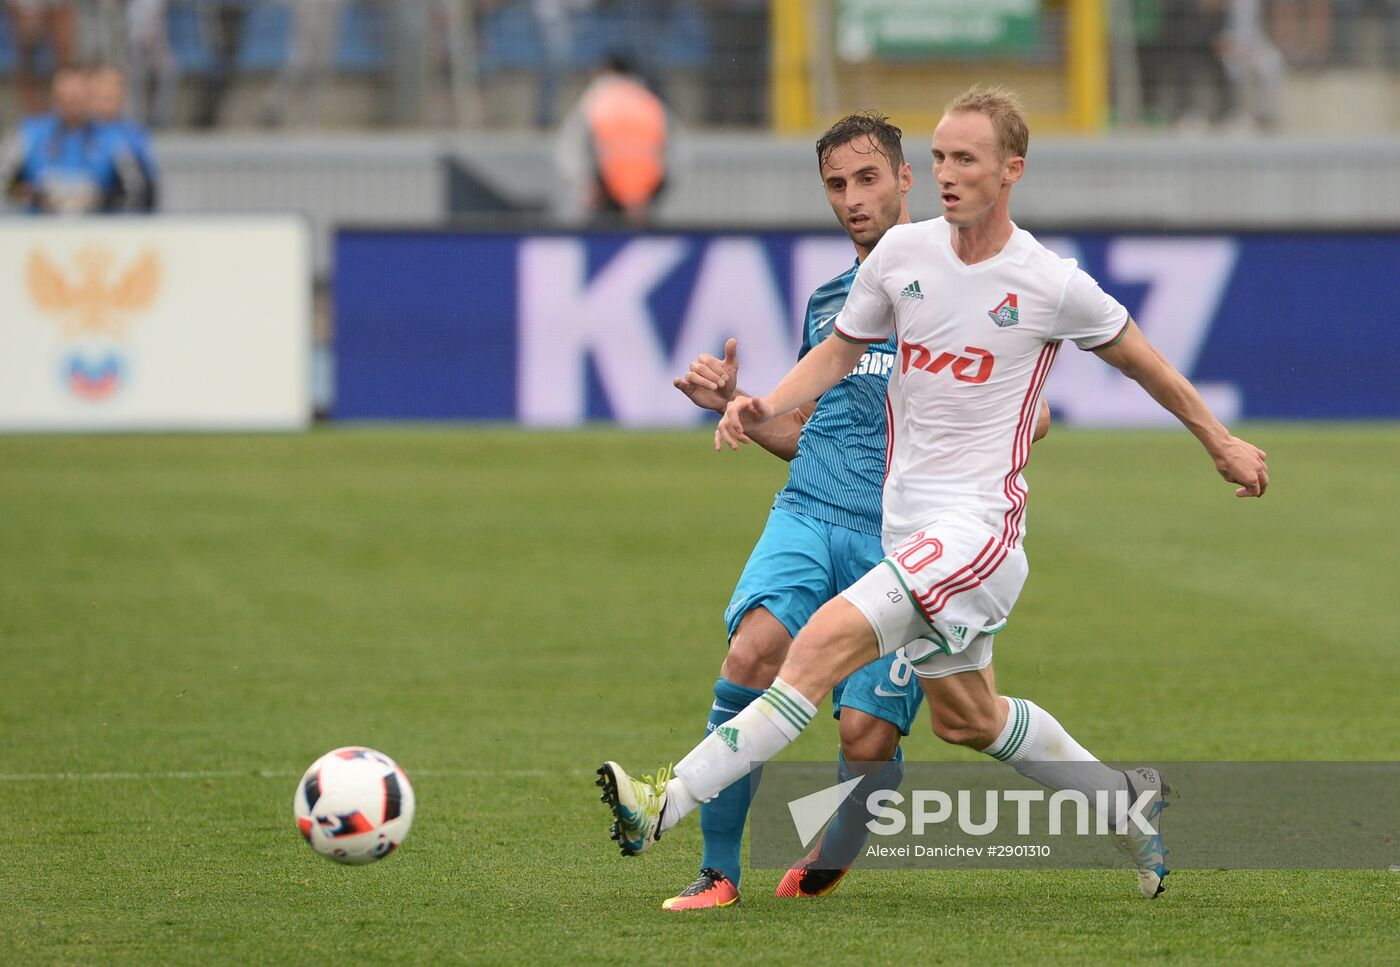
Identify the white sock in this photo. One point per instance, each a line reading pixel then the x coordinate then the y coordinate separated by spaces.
pixel 731 751
pixel 679 804
pixel 1037 746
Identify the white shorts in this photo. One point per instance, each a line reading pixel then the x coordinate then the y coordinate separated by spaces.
pixel 942 594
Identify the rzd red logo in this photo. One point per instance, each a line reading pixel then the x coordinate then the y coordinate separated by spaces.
pixel 972 368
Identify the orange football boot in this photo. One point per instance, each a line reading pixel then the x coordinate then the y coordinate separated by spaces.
pixel 805 879
pixel 711 889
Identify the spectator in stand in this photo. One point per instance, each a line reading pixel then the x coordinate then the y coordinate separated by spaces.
pixel 1355 24
pixel 223 36
pixel 553 18
pixel 612 148
pixel 100 30
pixel 154 72
pixel 736 71
pixel 108 109
pixel 453 92
pixel 64 162
pixel 1254 66
pixel 1390 17
pixel 1303 29
pixel 302 81
pixel 1153 55
pixel 32 22
pixel 1190 84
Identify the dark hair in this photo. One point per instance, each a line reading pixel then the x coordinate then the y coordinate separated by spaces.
pixel 617 62
pixel 888 138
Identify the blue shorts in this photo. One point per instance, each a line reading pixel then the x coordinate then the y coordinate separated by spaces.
pixel 887 689
pixel 798 565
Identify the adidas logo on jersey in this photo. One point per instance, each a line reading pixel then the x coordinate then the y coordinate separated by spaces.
pixel 729 735
pixel 912 291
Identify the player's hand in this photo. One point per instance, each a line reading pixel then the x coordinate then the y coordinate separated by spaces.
pixel 742 413
pixel 1241 462
pixel 711 383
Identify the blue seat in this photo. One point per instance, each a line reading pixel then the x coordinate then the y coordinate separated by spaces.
pixel 678 37
pixel 509 37
pixel 186 39
pixel 267 35
pixel 9 54
pixel 364 32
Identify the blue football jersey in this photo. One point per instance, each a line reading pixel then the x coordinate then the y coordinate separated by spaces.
pixel 839 471
pixel 70 168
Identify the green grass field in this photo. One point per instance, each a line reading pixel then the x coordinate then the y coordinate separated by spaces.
pixel 186 623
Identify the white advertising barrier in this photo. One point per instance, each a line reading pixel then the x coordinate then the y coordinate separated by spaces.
pixel 183 323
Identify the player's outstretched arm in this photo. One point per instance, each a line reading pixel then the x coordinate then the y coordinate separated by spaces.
pixel 1238 461
pixel 711 383
pixel 814 374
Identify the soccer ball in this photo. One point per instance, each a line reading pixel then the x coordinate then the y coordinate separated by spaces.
pixel 354 805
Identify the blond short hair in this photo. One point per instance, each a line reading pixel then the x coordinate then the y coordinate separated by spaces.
pixel 1003 108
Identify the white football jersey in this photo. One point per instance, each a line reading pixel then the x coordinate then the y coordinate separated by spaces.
pixel 976 343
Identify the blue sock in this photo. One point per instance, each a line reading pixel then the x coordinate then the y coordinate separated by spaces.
pixel 722 818
pixel 846 835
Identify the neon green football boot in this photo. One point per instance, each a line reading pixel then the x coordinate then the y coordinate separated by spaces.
pixel 636 806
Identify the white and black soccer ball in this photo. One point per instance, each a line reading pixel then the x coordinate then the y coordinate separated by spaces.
pixel 354 805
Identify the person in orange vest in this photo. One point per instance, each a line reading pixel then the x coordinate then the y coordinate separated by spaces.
pixel 613 147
